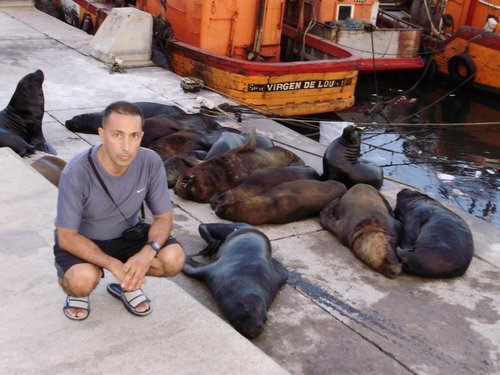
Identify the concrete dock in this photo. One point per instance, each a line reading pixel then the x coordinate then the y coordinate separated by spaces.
pixel 334 316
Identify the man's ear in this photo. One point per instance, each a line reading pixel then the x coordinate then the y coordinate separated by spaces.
pixel 100 131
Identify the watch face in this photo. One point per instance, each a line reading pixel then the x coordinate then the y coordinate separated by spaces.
pixel 155 245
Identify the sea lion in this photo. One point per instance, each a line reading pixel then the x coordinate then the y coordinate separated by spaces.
pixel 160 126
pixel 233 141
pixel 89 122
pixel 50 167
pixel 178 164
pixel 363 220
pixel 342 161
pixel 261 180
pixel 179 142
pixel 243 277
pixel 21 120
pixel 435 242
pixel 224 172
pixel 283 203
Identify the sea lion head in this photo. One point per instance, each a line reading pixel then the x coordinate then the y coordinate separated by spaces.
pixel 178 164
pixel 351 140
pixel 28 100
pixel 195 184
pixel 376 250
pixel 350 136
pixel 85 123
pixel 248 315
pixel 185 187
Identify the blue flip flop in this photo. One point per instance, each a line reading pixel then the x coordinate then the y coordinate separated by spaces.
pixel 130 299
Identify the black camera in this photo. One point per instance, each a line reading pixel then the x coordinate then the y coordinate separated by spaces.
pixel 137 232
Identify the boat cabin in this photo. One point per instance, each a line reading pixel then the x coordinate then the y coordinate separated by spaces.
pixel 245 29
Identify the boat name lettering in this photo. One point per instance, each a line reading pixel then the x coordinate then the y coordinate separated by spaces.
pixel 299 85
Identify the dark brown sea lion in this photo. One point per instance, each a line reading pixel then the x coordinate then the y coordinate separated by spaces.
pixel 283 203
pixel 179 142
pixel 160 126
pixel 50 167
pixel 21 120
pixel 224 172
pixel 180 163
pixel 342 161
pixel 363 220
pixel 435 242
pixel 90 122
pixel 261 180
pixel 243 277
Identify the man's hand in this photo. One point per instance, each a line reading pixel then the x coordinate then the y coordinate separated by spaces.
pixel 135 270
pixel 117 268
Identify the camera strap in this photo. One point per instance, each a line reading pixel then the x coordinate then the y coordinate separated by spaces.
pixel 107 191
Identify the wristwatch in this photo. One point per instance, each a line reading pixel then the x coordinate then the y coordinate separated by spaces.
pixel 155 245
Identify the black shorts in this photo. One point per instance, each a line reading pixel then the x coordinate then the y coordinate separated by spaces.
pixel 117 248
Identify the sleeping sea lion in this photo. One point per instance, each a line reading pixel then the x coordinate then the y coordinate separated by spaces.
pixel 363 220
pixel 342 161
pixel 233 141
pixel 90 122
pixel 283 203
pixel 180 163
pixel 179 142
pixel 243 277
pixel 261 180
pixel 160 126
pixel 224 172
pixel 435 242
pixel 50 167
pixel 21 120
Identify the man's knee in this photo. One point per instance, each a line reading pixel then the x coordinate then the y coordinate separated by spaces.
pixel 171 259
pixel 80 279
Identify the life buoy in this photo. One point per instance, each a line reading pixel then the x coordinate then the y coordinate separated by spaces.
pixel 461 68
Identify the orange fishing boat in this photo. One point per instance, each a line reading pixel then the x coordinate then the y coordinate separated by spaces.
pixel 384 41
pixel 243 50
pixel 463 38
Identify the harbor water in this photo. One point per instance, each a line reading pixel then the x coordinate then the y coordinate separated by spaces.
pixel 456 160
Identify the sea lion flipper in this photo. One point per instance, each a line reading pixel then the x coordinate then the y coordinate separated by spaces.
pixel 194 268
pixel 327 214
pixel 215 233
pixel 211 247
pixel 46 147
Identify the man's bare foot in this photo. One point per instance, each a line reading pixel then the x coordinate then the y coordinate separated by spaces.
pixel 77 308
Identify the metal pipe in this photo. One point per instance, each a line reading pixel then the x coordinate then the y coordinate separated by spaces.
pixel 259 29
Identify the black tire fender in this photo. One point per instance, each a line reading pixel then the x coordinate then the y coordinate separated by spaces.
pixel 461 68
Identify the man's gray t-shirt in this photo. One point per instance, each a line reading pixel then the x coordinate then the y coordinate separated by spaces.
pixel 83 205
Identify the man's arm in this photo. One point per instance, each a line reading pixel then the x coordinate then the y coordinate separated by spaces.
pixel 138 265
pixel 80 246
